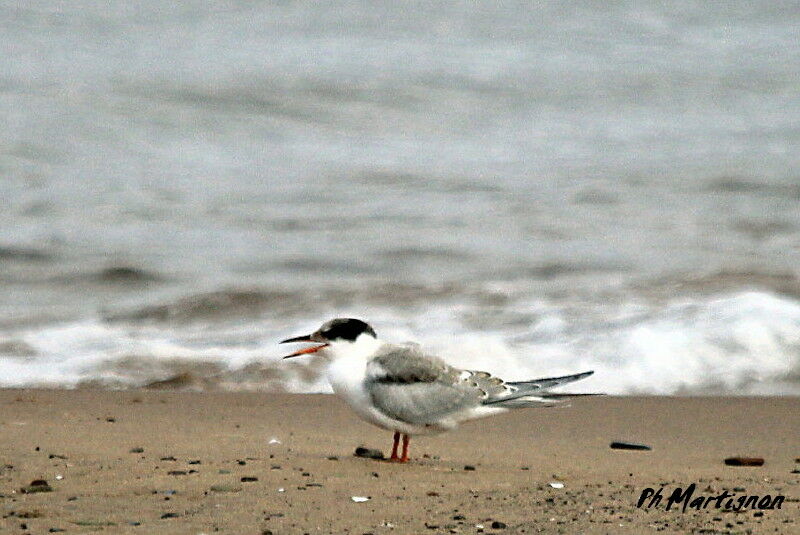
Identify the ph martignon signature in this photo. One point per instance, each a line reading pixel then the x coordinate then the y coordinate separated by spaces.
pixel 651 498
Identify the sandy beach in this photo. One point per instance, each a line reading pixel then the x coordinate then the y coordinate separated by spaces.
pixel 173 462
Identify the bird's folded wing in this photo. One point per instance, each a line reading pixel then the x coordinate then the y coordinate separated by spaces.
pixel 412 387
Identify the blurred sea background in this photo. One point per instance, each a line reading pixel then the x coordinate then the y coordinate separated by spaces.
pixel 526 188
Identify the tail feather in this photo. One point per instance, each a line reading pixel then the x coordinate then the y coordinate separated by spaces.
pixel 535 392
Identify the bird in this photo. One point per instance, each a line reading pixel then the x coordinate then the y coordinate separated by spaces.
pixel 400 388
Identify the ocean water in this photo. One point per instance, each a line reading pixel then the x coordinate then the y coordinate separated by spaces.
pixel 529 189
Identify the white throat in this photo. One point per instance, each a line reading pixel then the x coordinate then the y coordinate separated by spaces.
pixel 360 349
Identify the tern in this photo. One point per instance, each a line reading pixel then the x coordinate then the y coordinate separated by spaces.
pixel 402 389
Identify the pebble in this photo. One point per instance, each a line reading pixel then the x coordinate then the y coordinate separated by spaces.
pixel 195 462
pixel 176 473
pixel 469 468
pixel 37 485
pixel 248 479
pixel 629 446
pixel 225 488
pixel 170 515
pixel 498 525
pixel 169 458
pixel 368 453
pixel 557 485
pixel 744 461
pixel 136 450
pixel 359 499
pixel 333 458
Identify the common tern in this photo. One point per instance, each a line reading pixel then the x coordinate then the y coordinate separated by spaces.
pixel 402 389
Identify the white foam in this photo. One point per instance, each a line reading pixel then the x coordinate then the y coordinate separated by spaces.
pixel 745 343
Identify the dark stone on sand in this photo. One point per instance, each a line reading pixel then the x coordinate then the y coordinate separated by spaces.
pixel 498 525
pixel 37 485
pixel 137 450
pixel 225 488
pixel 629 446
pixel 169 458
pixel 795 471
pixel 368 453
pixel 241 463
pixel 333 458
pixel 170 515
pixel 248 479
pixel 744 461
pixel 55 530
pixel 459 517
pixel 111 420
pixel 469 468
pixel 195 462
pixel 176 473
pixel 56 456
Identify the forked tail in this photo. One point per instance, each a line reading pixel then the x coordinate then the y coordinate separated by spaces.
pixel 535 393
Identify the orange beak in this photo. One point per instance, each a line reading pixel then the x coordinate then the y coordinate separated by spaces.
pixel 305 351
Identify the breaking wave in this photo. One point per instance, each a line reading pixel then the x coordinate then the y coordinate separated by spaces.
pixel 741 343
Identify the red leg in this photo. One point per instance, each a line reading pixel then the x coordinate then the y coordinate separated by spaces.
pixel 406 440
pixel 394 456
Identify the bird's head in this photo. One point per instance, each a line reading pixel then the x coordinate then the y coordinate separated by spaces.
pixel 336 335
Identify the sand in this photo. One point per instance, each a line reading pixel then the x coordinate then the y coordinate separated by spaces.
pixel 172 462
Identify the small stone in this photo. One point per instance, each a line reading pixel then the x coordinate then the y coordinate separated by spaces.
pixel 137 450
pixel 241 463
pixel 629 446
pixel 469 468
pixel 111 420
pixel 169 458
pixel 170 515
pixel 333 458
pixel 758 514
pixel 56 456
pixel 195 462
pixel 459 517
pixel 225 488
pixel 359 499
pixel 176 473
pixel 744 461
pixel 498 525
pixel 37 485
pixel 248 479
pixel 368 453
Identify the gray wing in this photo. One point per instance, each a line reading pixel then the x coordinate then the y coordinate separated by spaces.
pixel 407 385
